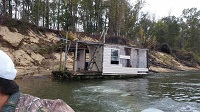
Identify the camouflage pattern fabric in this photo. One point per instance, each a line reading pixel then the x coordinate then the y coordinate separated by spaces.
pixel 19 102
pixel 28 103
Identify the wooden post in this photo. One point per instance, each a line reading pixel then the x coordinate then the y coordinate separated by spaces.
pixel 138 58
pixel 75 58
pixel 60 59
pixel 102 53
pixel 147 61
pixel 66 51
pixel 53 60
pixel 104 35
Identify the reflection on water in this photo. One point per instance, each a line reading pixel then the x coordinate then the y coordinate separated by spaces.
pixel 114 95
pixel 171 92
pixel 180 88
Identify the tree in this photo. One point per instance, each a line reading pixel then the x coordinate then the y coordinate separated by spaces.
pixel 47 14
pixel 160 31
pixel 58 14
pixel 86 12
pixel 4 2
pixel 73 10
pixel 192 19
pixel 52 13
pixel 144 30
pixel 167 30
pixel 66 17
pixel 173 30
pixel 183 34
pixel 10 8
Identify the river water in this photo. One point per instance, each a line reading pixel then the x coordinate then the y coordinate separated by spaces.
pixel 169 92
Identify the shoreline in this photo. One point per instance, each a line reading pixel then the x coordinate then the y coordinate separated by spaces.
pixel 41 72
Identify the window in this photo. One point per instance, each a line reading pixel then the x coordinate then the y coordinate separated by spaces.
pixel 114 56
pixel 78 56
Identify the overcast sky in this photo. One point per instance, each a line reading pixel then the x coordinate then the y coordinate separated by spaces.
pixel 162 8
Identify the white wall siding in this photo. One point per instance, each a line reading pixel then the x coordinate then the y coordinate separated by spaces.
pixel 106 57
pixel 123 60
pixel 134 58
pixel 124 70
pixel 142 59
pixel 109 68
pixel 81 60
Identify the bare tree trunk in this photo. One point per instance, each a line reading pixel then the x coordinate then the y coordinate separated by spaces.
pixel 10 8
pixel 43 13
pixel 47 14
pixel 4 8
pixel 23 13
pixel 58 14
pixel 28 12
pixel 16 2
pixel 38 15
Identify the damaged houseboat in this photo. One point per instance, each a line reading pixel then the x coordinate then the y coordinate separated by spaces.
pixel 96 58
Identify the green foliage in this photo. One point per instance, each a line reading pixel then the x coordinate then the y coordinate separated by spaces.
pixel 192 22
pixel 143 31
pixel 95 16
pixel 167 30
pixel 44 49
pixel 66 18
pixel 197 58
pixel 16 25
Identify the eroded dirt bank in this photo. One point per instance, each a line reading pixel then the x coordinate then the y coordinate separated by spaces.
pixel 32 53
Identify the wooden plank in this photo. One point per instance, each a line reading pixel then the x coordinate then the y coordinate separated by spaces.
pixel 125 57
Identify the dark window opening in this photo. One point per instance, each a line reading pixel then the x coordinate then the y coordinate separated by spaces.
pixel 114 56
pixel 128 64
pixel 78 55
pixel 127 51
pixel 115 62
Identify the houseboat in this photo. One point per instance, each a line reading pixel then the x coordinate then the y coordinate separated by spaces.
pixel 96 58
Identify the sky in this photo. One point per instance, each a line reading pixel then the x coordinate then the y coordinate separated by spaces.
pixel 163 8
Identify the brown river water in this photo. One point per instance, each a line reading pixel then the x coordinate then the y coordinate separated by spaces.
pixel 169 92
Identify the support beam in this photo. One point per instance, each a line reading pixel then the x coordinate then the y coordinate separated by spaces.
pixel 66 51
pixel 75 58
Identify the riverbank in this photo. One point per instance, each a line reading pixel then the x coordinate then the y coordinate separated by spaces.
pixel 32 50
pixel 163 62
pixel 157 69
